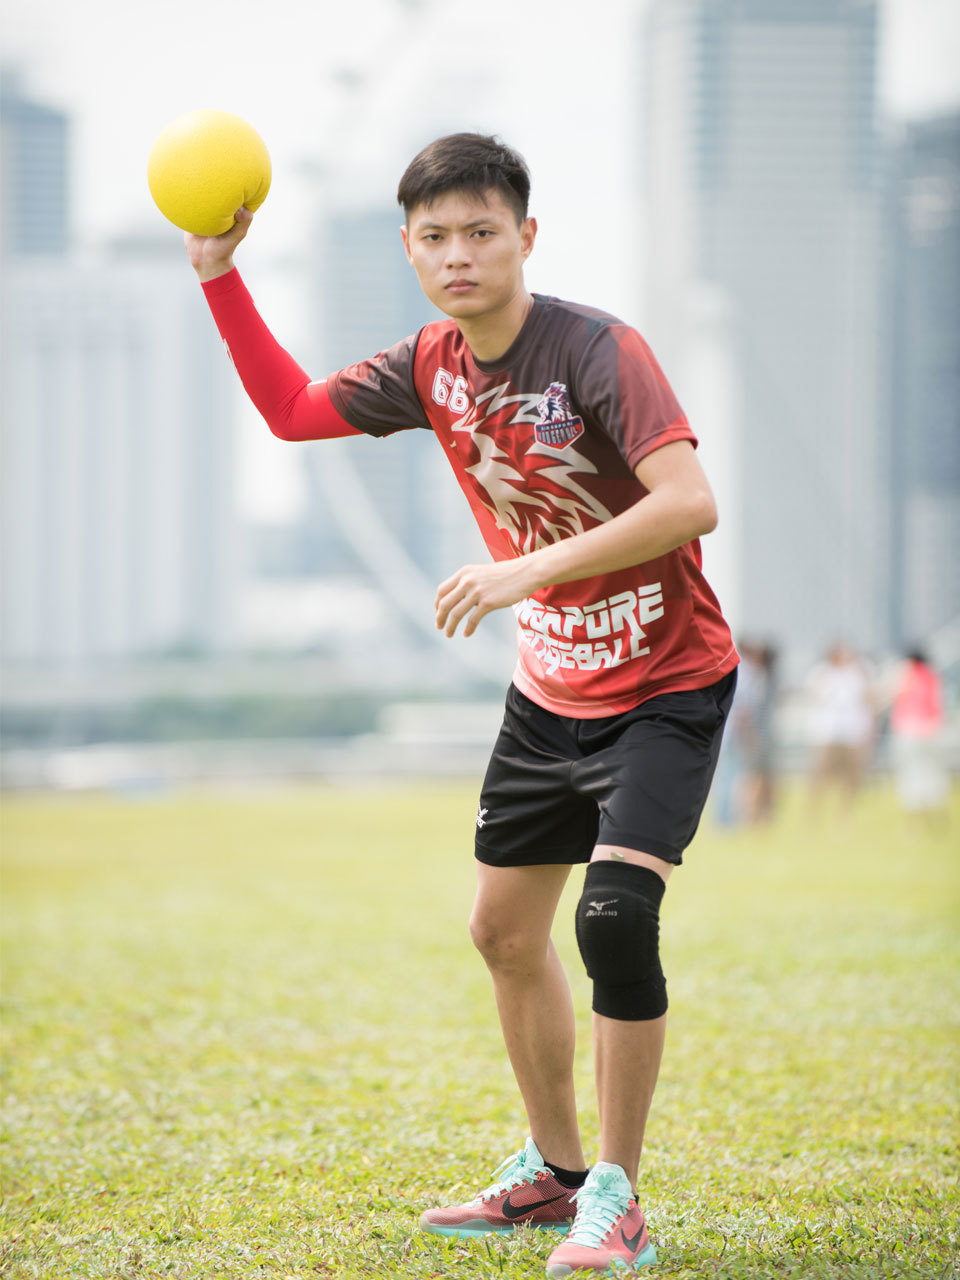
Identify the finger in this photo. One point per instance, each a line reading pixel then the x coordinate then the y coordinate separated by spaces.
pixel 446 586
pixel 458 613
pixel 443 606
pixel 242 221
pixel 453 590
pixel 479 613
pixel 241 225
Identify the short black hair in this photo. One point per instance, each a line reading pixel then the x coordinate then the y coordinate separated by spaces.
pixel 473 162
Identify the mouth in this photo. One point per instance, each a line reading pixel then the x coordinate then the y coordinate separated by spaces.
pixel 460 286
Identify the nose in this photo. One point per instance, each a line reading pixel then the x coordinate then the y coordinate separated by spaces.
pixel 458 251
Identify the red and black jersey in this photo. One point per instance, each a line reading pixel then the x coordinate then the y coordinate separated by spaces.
pixel 543 443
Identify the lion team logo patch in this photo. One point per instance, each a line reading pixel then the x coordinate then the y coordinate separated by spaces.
pixel 558 426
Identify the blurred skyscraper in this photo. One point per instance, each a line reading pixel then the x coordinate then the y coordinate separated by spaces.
pixel 117 511
pixel 765 213
pixel 34 173
pixel 118 529
pixel 926 379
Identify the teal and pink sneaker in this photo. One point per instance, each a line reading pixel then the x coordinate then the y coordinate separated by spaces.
pixel 525 1193
pixel 609 1236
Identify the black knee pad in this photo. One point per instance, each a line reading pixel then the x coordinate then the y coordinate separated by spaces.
pixel 618 931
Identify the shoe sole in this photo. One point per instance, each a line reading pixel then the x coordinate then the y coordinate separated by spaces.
pixel 645 1258
pixel 477 1227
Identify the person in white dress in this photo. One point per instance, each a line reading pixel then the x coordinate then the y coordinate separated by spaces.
pixel 843 721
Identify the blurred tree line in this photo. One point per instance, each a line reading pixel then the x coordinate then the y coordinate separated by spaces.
pixel 170 718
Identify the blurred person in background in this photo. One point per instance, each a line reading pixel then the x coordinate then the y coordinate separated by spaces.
pixel 916 724
pixel 751 733
pixel 843 722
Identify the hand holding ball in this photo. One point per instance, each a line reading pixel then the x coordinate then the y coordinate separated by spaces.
pixel 203 167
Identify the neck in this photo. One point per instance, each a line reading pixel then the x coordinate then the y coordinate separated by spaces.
pixel 491 335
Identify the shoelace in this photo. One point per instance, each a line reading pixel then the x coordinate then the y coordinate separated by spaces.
pixel 599 1205
pixel 517 1172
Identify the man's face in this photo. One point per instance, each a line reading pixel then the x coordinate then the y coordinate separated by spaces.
pixel 469 252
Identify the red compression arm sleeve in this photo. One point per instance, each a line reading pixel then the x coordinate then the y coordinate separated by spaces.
pixel 293 407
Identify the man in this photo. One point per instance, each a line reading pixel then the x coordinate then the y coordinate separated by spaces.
pixel 580 469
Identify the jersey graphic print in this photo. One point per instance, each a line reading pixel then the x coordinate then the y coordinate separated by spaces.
pixel 591 637
pixel 531 488
pixel 557 426
pixel 545 442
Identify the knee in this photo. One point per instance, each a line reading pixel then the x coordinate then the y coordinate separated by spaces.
pixel 506 949
pixel 618 932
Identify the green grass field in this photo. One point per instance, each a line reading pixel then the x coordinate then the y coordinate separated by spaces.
pixel 247 1036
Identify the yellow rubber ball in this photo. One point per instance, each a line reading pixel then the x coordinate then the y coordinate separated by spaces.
pixel 204 166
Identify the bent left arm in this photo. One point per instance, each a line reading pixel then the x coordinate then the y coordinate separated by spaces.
pixel 677 508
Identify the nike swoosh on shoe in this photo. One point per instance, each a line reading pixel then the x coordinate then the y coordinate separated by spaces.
pixel 632 1243
pixel 514 1211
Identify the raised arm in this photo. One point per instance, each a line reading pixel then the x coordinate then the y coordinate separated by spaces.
pixel 293 407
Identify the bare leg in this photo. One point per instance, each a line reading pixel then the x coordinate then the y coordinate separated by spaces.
pixel 627 1058
pixel 510 926
pixel 627 1061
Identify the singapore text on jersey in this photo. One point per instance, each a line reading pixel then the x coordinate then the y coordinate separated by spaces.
pixel 605 634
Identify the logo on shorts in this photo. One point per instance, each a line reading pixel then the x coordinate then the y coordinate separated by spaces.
pixel 558 425
pixel 481 816
pixel 597 908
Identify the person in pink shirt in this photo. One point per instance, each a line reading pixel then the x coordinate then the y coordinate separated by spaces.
pixel 916 724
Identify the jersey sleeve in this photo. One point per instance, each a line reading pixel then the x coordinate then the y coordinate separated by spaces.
pixel 624 391
pixel 293 407
pixel 378 396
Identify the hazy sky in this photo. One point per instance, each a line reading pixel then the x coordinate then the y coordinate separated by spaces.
pixel 354 89
pixel 560 86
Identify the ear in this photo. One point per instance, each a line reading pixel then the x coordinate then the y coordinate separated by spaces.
pixel 528 234
pixel 405 235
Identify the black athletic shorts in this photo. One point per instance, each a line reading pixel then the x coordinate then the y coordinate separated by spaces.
pixel 556 785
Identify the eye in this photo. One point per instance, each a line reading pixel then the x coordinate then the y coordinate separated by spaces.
pixel 484 232
pixel 432 236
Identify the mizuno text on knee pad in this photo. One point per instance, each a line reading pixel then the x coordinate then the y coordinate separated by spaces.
pixel 618 932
